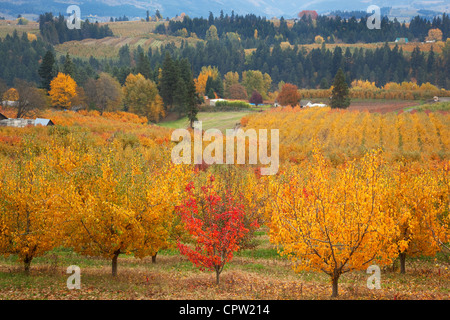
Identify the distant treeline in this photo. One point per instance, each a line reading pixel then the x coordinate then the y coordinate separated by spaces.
pixel 308 69
pixel 20 58
pixel 124 18
pixel 54 29
pixel 304 30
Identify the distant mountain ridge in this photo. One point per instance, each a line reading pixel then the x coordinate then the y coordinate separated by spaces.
pixel 196 8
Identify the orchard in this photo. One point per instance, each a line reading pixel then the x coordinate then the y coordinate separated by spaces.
pixel 354 189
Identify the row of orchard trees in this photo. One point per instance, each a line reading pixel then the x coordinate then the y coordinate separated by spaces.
pixel 101 201
pixel 364 89
pixel 347 134
pixel 112 199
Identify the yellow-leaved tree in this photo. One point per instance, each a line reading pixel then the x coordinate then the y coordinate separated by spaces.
pixel 442 175
pixel 30 216
pixel 205 73
pixel 333 219
pixel 141 96
pixel 119 200
pixel 101 222
pixel 417 203
pixel 62 90
pixel 153 194
pixel 11 95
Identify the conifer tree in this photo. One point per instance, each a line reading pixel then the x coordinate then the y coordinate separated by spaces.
pixel 191 99
pixel 340 95
pixel 69 67
pixel 143 65
pixel 47 70
pixel 168 83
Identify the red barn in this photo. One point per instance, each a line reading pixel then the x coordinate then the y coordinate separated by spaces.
pixel 308 13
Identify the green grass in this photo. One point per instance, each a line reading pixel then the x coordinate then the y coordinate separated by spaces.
pixel 175 124
pixel 259 253
pixel 439 106
pixel 210 120
pixel 252 274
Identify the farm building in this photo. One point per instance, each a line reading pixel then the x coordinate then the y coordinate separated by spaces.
pixel 43 122
pixel 20 123
pixel 401 40
pixel 312 105
pixel 309 104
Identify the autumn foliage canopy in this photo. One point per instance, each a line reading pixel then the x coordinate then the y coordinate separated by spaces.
pixel 215 224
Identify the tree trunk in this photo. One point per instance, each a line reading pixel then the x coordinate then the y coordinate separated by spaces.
pixel 334 283
pixel 154 258
pixel 402 262
pixel 26 264
pixel 217 276
pixel 114 263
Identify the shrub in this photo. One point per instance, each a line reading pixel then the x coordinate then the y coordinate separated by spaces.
pixel 233 104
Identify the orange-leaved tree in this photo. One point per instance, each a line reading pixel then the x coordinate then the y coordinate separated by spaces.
pixel 289 95
pixel 434 34
pixel 333 219
pixel 62 90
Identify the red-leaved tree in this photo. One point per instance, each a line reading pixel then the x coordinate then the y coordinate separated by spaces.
pixel 256 98
pixel 216 225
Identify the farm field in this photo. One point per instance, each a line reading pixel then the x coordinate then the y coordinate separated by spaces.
pixel 383 106
pixel 8 27
pixel 109 47
pixel 229 119
pixel 132 28
pixel 375 105
pixel 217 120
pixel 257 271
pixel 347 134
pixel 407 47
